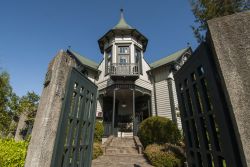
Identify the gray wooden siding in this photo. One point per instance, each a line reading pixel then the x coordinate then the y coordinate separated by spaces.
pixel 144 84
pixel 162 97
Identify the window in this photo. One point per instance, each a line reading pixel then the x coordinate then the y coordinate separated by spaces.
pixel 108 61
pixel 123 49
pixel 123 59
pixel 138 59
pixel 123 54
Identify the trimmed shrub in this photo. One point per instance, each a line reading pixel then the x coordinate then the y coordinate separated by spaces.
pixel 176 150
pixel 159 158
pixel 99 131
pixel 12 153
pixel 97 150
pixel 158 130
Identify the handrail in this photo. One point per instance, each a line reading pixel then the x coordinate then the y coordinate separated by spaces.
pixel 124 69
pixel 138 144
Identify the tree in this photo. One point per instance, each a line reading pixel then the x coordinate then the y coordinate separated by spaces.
pixel 28 105
pixel 6 96
pixel 204 10
pixel 11 106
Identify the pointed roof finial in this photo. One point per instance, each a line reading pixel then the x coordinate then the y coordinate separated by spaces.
pixel 121 12
pixel 122 24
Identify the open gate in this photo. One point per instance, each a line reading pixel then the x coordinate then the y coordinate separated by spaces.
pixel 73 146
pixel 208 127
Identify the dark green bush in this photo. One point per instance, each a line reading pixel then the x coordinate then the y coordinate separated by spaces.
pixel 97 150
pixel 99 131
pixel 158 130
pixel 12 153
pixel 160 158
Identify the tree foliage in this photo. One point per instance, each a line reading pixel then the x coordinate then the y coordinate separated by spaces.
pixel 11 106
pixel 204 10
pixel 8 103
pixel 28 105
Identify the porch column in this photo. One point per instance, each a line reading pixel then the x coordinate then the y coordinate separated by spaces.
pixel 113 114
pixel 134 125
pixel 149 108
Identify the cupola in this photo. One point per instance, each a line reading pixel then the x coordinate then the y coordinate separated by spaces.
pixel 122 48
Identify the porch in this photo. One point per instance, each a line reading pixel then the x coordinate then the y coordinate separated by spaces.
pixel 124 107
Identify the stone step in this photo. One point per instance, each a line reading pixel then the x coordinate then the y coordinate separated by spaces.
pixel 125 134
pixel 121 150
pixel 120 161
pixel 122 142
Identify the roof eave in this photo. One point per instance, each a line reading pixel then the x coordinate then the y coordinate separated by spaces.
pixel 111 33
pixel 72 54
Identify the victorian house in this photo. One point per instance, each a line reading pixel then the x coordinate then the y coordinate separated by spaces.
pixel 130 89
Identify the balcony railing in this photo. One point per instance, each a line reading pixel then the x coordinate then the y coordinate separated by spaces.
pixel 123 69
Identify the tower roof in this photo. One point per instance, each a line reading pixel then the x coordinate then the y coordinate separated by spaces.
pixel 122 24
pixel 122 28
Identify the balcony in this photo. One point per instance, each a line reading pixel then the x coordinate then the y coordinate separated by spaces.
pixel 124 70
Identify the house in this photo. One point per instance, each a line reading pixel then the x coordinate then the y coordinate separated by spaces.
pixel 130 89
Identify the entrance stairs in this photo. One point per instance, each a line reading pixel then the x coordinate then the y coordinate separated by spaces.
pixel 121 152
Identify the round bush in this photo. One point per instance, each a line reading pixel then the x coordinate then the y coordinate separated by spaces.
pixel 99 131
pixel 97 150
pixel 159 158
pixel 158 130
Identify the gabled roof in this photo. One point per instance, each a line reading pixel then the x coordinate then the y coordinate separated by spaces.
pixel 122 24
pixel 168 59
pixel 85 61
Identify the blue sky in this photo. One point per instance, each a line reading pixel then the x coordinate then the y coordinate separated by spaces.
pixel 33 31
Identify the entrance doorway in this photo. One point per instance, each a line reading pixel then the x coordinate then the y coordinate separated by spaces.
pixel 130 109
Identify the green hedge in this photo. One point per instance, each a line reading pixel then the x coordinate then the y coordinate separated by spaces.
pixel 97 150
pixel 160 157
pixel 99 131
pixel 158 130
pixel 12 153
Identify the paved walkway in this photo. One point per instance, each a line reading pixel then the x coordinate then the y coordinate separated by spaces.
pixel 121 152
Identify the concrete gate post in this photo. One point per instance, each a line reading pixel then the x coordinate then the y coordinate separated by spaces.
pixel 44 132
pixel 230 39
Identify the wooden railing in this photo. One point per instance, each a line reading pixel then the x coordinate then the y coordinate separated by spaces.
pixel 124 69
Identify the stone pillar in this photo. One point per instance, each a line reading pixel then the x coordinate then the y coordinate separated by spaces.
pixel 21 124
pixel 44 132
pixel 230 42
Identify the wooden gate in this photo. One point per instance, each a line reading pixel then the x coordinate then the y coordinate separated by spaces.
pixel 73 146
pixel 208 127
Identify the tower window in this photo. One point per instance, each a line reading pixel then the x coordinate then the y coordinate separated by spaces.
pixel 138 59
pixel 108 60
pixel 123 50
pixel 123 54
